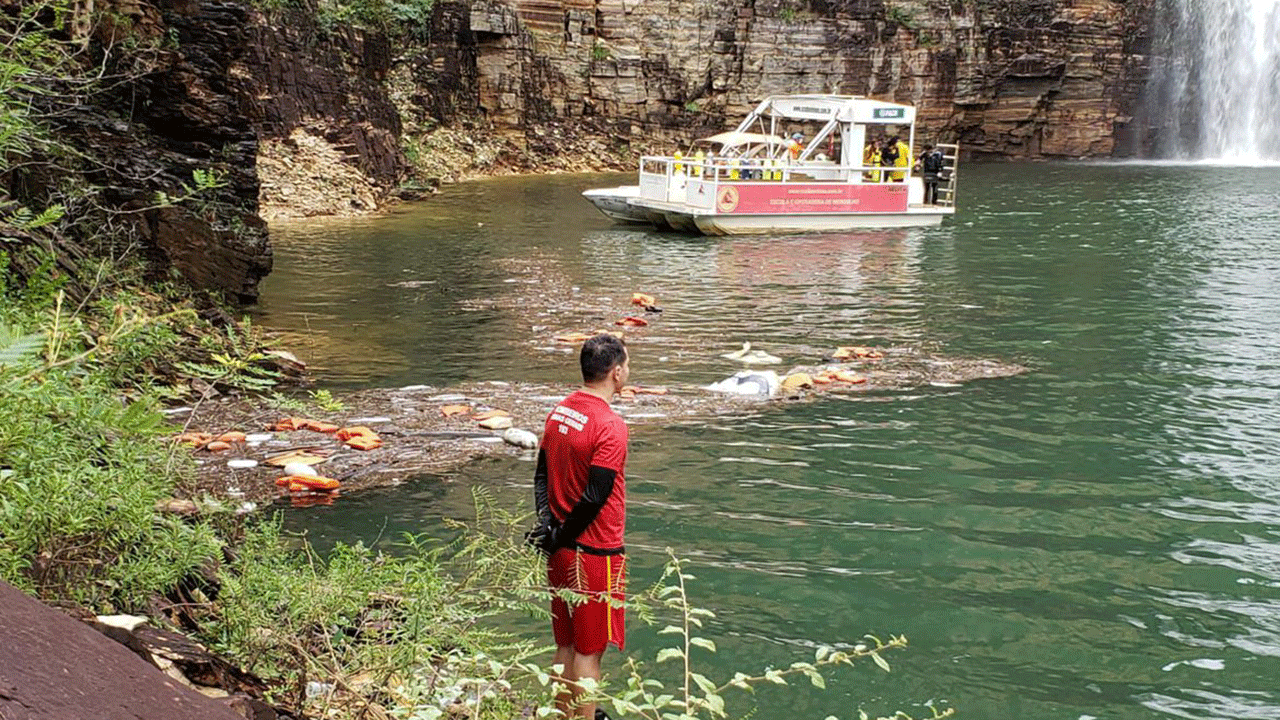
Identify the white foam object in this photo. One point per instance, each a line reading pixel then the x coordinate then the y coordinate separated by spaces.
pixel 520 438
pixel 757 383
pixel 303 469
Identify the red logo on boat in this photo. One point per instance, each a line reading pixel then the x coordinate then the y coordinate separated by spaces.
pixel 727 199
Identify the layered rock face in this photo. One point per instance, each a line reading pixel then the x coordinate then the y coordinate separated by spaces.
pixel 1009 78
pixel 156 105
pixel 231 90
pixel 321 107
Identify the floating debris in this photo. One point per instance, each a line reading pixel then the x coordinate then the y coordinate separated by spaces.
pixel 499 422
pixel 759 383
pixel 300 469
pixel 520 438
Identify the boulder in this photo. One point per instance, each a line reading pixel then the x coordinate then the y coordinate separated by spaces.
pixel 53 667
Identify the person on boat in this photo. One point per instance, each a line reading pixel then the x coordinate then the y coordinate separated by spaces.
pixel 871 158
pixel 580 494
pixel 930 166
pixel 889 154
pixel 796 146
pixel 901 159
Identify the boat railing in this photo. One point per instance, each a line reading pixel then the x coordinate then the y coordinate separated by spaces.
pixel 950 173
pixel 665 178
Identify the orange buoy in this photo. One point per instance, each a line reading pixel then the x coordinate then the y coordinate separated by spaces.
pixel 312 483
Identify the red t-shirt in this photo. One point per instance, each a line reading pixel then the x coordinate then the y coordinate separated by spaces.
pixel 583 431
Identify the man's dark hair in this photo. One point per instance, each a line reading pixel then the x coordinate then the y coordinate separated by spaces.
pixel 600 355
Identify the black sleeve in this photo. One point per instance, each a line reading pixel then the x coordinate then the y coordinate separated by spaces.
pixel 599 487
pixel 541 503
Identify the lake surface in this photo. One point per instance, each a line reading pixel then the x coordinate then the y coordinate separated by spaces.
pixel 1098 538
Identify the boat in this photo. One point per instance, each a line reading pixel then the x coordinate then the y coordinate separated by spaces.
pixel 762 178
pixel 616 205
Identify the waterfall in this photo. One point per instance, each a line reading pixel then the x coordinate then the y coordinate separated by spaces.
pixel 1214 88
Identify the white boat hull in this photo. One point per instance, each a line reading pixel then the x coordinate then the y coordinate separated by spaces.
pixel 808 222
pixel 616 205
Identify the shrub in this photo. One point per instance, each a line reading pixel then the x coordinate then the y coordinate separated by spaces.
pixel 80 474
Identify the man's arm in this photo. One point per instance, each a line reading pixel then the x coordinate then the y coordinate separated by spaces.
pixel 543 535
pixel 541 503
pixel 599 487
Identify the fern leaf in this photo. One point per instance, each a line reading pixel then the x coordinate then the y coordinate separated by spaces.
pixel 18 348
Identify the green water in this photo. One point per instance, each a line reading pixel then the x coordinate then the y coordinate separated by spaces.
pixel 1098 538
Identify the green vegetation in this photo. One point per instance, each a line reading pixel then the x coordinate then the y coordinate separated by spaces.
pixel 408 19
pixel 362 622
pixel 791 11
pixel 900 15
pixel 80 474
pixel 325 401
pixel 234 360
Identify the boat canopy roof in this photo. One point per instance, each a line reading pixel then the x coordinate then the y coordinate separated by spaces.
pixel 840 108
pixel 734 139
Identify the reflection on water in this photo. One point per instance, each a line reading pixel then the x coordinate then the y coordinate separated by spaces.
pixel 1096 539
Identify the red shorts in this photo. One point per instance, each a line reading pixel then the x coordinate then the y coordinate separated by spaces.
pixel 592 625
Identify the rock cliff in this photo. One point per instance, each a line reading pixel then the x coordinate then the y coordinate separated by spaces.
pixel 145 106
pixel 289 112
pixel 1006 78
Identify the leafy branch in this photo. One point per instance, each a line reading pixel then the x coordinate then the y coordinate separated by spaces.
pixel 203 180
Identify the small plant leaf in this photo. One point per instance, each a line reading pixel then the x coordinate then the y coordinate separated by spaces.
pixel 703 682
pixel 669 653
pixel 703 643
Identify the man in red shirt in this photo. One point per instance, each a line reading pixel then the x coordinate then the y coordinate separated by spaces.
pixel 580 493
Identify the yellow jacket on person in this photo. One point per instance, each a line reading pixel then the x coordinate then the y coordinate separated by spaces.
pixel 871 156
pixel 677 167
pixel 903 161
